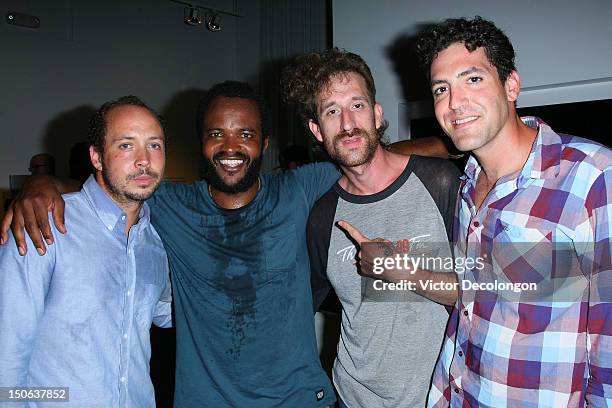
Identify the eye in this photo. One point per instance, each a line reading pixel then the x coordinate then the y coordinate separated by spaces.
pixel 247 135
pixel 474 79
pixel 125 146
pixel 439 90
pixel 332 112
pixel 358 105
pixel 156 146
pixel 215 135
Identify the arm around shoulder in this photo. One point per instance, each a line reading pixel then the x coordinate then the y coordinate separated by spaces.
pixel 40 195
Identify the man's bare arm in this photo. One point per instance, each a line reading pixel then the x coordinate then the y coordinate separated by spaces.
pixel 29 211
pixel 427 146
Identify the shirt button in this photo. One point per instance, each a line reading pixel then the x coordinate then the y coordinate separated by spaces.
pixel 460 353
pixel 110 227
pixel 123 218
pixel 465 313
pixel 125 336
pixel 129 293
pixel 476 224
pixel 122 379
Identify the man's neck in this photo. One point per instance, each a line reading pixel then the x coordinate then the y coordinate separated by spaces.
pixel 374 176
pixel 502 156
pixel 132 212
pixel 508 152
pixel 131 208
pixel 234 201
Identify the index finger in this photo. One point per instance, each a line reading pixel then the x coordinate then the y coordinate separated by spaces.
pixel 353 232
pixel 58 215
pixel 4 226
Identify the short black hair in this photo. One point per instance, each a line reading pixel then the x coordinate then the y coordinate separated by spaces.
pixel 97 125
pixel 232 89
pixel 474 34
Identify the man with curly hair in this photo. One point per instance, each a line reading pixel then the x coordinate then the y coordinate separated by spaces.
pixel 389 340
pixel 526 190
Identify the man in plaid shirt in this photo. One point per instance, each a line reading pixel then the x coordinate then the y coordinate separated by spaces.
pixel 526 191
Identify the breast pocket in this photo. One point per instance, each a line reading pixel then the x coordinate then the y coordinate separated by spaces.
pixel 280 250
pixel 544 258
pixel 523 254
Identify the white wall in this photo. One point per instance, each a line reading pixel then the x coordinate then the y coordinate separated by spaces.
pixel 564 47
pixel 86 53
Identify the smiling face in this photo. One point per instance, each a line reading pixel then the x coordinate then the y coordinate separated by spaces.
pixel 347 121
pixel 232 144
pixel 132 163
pixel 471 103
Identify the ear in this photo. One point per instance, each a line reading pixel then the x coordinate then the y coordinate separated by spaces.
pixel 96 158
pixel 378 114
pixel 316 131
pixel 513 86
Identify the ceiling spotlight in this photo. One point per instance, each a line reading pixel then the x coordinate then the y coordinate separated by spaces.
pixel 213 21
pixel 192 16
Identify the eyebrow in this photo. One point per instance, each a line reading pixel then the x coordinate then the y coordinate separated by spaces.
pixel 354 98
pixel 469 71
pixel 249 129
pixel 126 137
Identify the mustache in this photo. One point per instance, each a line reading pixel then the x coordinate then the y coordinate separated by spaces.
pixel 144 172
pixel 352 133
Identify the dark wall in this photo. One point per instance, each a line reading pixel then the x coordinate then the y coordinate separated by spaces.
pixel 85 53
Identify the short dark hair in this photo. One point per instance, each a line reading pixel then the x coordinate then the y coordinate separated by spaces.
pixel 232 89
pixel 312 73
pixel 97 125
pixel 474 34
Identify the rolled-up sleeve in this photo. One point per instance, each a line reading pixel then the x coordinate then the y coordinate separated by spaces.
pixel 162 316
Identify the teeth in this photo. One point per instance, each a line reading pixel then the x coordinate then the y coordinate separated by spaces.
pixel 466 120
pixel 231 163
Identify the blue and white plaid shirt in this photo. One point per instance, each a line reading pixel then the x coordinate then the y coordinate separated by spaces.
pixel 534 350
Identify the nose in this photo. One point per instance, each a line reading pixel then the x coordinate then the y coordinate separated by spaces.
pixel 230 143
pixel 142 158
pixel 347 120
pixel 457 99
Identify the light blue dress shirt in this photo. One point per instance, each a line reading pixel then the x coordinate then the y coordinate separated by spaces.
pixel 79 317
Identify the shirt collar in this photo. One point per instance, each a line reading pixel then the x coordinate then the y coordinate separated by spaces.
pixel 545 157
pixel 543 161
pixel 106 209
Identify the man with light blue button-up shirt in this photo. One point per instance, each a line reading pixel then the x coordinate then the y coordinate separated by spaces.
pixel 80 316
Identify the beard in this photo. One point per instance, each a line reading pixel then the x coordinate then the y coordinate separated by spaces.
pixel 242 185
pixel 354 157
pixel 119 188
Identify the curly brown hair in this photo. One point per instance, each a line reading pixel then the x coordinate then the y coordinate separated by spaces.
pixel 474 34
pixel 310 74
